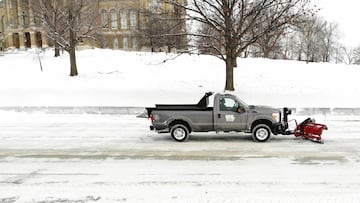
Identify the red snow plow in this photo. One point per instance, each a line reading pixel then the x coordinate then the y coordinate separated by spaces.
pixel 307 129
pixel 310 130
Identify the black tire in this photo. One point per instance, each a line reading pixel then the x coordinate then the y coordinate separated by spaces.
pixel 261 133
pixel 179 132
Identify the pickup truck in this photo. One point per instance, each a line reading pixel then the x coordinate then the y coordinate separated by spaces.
pixel 228 114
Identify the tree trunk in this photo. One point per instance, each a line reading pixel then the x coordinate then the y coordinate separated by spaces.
pixel 57 49
pixel 72 36
pixel 73 67
pixel 235 62
pixel 152 45
pixel 266 53
pixel 229 85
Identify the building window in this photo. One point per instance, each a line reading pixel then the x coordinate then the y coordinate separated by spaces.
pixel 24 6
pixel 105 43
pixel 2 24
pixel 13 12
pixel 38 38
pixel 27 40
pixel 16 40
pixel 134 43
pixel 114 19
pixel 116 43
pixel 105 19
pixel 133 19
pixel 124 22
pixel 125 43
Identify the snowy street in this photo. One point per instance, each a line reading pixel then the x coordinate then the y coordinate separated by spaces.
pixel 116 158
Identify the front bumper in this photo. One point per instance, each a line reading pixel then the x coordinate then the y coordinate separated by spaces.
pixel 279 128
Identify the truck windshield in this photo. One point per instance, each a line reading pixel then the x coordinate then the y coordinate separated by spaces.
pixel 242 103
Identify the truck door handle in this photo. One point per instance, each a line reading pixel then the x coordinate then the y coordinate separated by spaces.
pixel 219 115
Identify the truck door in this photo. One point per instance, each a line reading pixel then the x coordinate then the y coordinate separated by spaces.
pixel 230 115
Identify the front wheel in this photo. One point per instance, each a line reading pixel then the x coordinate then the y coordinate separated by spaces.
pixel 179 132
pixel 261 133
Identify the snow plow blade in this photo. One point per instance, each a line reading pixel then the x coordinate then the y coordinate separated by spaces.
pixel 310 130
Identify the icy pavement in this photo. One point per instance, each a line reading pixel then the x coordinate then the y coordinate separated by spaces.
pixel 250 180
pixel 51 158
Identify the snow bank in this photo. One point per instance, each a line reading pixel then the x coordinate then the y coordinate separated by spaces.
pixel 118 78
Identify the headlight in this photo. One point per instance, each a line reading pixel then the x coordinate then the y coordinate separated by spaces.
pixel 276 116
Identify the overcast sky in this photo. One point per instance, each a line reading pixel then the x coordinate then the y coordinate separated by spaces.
pixel 347 14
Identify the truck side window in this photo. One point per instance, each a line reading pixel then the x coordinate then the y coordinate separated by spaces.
pixel 228 104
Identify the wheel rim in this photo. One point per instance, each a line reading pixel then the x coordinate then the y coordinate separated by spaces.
pixel 179 133
pixel 262 134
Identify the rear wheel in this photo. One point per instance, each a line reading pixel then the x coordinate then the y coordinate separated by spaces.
pixel 261 133
pixel 179 132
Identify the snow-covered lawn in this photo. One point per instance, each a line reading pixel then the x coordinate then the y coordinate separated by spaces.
pixel 55 157
pixel 117 78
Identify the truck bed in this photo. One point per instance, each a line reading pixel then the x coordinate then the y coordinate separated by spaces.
pixel 177 108
pixel 180 107
pixel 202 105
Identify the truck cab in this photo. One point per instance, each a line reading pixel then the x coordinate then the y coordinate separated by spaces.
pixel 230 113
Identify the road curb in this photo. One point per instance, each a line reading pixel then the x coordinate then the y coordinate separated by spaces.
pixel 113 110
pixel 77 110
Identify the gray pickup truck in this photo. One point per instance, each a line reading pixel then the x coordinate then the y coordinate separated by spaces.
pixel 228 114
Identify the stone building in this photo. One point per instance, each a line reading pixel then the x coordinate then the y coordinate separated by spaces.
pixel 2 25
pixel 119 23
pixel 19 29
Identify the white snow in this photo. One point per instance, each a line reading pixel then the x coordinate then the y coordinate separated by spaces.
pixel 115 158
pixel 117 78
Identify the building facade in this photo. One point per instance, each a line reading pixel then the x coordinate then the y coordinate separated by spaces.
pixel 2 25
pixel 18 26
pixel 119 24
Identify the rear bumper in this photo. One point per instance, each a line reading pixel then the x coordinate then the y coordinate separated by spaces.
pixel 159 129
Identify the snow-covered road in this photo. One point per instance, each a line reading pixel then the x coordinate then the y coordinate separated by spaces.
pixel 115 158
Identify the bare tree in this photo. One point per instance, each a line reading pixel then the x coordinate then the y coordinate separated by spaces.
pixel 338 53
pixel 270 43
pixel 349 55
pixel 329 38
pixel 309 32
pixel 160 28
pixel 51 12
pixel 234 25
pixel 313 40
pixel 357 55
pixel 67 23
